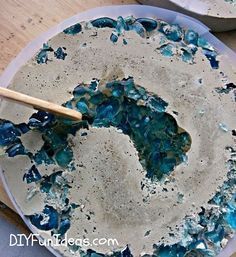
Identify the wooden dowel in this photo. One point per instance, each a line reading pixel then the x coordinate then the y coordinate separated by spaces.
pixel 40 104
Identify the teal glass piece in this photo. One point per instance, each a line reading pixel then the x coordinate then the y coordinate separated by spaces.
pixel 125 42
pixel 167 50
pixel 114 37
pixel 138 28
pixel 231 1
pixel 148 24
pixel 230 218
pixel 82 107
pixel 64 157
pixel 81 91
pixel 41 157
pixel 216 235
pixel 94 84
pixel 60 53
pixel 204 44
pixel 187 56
pixel 42 56
pixel 104 22
pixel 226 89
pixel 73 30
pixel 170 251
pixel 157 104
pixel 232 203
pixel 191 37
pixel 172 32
pixel 121 25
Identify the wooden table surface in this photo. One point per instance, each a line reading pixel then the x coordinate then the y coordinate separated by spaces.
pixel 23 20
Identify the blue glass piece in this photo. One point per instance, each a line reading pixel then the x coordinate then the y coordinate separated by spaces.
pixel 41 157
pixel 60 54
pixel 64 157
pixel 64 226
pixel 191 37
pixel 104 22
pixel 32 175
pixel 73 30
pixel 167 50
pixel 126 252
pixel 41 119
pixel 148 24
pixel 42 56
pixel 114 37
pixel 48 181
pixel 23 128
pixel 8 133
pixel 82 107
pixel 16 149
pixel 46 220
pixel 211 56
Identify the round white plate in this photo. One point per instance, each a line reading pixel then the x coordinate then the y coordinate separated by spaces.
pixel 113 12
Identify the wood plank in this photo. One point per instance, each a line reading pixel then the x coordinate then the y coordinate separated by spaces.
pixel 22 21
